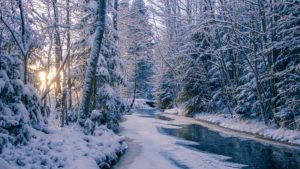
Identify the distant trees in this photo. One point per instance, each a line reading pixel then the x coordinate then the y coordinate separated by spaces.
pixel 139 51
pixel 235 56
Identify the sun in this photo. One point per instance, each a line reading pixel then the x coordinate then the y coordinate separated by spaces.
pixel 45 78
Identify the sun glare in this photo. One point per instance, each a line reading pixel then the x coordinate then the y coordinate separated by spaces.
pixel 43 78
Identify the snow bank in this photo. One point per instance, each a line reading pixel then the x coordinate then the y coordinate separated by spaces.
pixel 5 165
pixel 172 111
pixel 175 111
pixel 65 148
pixel 141 104
pixel 252 126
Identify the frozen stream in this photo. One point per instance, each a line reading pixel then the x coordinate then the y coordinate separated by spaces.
pixel 157 142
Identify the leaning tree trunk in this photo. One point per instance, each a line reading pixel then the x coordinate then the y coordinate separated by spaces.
pixel 92 63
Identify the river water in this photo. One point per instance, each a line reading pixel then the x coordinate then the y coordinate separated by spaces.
pixel 254 153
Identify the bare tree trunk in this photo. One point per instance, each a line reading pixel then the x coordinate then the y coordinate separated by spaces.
pixel 69 58
pixel 1 31
pixel 47 98
pixel 64 112
pixel 25 49
pixel 268 56
pixel 115 18
pixel 134 92
pixel 92 63
pixel 58 56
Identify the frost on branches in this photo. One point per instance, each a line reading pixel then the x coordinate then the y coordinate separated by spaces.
pixel 20 107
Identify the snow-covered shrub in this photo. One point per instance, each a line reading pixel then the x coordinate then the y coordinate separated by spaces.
pixel 20 107
pixel 110 107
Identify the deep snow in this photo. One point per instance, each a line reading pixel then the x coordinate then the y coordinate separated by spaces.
pixel 66 148
pixel 150 149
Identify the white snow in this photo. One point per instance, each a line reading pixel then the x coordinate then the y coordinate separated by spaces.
pixel 155 150
pixel 175 111
pixel 65 147
pixel 5 165
pixel 140 103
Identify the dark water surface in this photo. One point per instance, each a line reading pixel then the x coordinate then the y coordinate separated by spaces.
pixel 254 153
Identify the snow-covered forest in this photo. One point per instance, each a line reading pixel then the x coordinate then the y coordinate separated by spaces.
pixel 77 76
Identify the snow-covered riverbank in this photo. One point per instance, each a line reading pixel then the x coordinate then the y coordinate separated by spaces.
pixel 65 147
pixel 250 126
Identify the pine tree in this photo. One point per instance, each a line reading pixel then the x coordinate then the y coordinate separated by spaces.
pixel 140 52
pixel 20 106
pixel 287 62
pixel 107 99
pixel 195 92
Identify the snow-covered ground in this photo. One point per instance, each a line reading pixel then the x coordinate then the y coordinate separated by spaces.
pixel 66 148
pixel 141 103
pixel 249 126
pixel 150 149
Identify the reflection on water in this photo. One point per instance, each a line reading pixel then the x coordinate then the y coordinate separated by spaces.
pixel 251 152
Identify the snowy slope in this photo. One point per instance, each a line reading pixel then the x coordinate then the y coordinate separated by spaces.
pixel 66 148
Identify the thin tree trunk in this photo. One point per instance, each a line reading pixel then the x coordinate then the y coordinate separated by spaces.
pixel 23 31
pixel 69 58
pixel 64 112
pixel 58 56
pixel 134 93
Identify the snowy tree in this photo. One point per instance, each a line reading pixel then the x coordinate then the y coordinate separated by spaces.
pixel 139 52
pixel 92 63
pixel 108 79
pixel 248 68
pixel 20 106
pixel 285 55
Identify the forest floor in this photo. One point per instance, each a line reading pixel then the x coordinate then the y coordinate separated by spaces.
pixel 150 148
pixel 65 147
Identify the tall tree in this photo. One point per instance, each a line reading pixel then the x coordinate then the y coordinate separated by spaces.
pixel 92 62
pixel 140 51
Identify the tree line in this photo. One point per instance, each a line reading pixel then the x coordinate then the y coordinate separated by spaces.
pixel 83 62
pixel 230 57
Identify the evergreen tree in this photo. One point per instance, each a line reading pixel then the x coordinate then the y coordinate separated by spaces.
pixel 140 52
pixel 286 56
pixel 195 92
pixel 167 90
pixel 20 107
pixel 107 99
